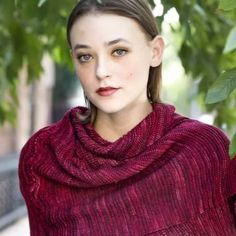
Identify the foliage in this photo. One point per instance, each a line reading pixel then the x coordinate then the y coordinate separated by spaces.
pixel 204 29
pixel 27 30
pixel 222 87
pixel 232 149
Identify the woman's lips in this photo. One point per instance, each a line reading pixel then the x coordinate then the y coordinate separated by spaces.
pixel 106 91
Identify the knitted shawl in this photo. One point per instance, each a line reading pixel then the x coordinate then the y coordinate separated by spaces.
pixel 169 175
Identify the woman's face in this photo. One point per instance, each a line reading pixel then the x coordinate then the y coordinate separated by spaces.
pixel 112 57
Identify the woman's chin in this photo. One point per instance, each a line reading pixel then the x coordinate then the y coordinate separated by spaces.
pixel 110 108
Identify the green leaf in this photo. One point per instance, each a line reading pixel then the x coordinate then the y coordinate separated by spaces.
pixel 41 2
pixel 223 86
pixel 232 147
pixel 227 5
pixel 231 41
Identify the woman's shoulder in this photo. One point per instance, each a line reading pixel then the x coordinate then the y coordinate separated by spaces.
pixel 48 136
pixel 197 143
pixel 42 145
pixel 55 131
pixel 42 135
pixel 198 133
pixel 204 148
pixel 178 126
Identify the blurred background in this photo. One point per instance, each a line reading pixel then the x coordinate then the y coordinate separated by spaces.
pixel 37 82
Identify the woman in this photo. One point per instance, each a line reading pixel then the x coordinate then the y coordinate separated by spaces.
pixel 129 165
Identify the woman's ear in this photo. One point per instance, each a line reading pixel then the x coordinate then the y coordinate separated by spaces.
pixel 157 45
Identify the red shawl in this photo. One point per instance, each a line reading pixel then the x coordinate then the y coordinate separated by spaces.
pixel 169 175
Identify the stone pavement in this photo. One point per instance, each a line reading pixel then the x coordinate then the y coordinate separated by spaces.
pixel 19 228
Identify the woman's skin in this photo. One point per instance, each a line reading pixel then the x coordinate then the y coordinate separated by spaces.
pixel 112 57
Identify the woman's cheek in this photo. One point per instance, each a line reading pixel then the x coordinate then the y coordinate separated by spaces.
pixel 83 76
pixel 131 74
pixel 128 70
pixel 84 82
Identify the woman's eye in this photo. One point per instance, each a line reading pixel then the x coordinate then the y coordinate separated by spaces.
pixel 119 52
pixel 84 58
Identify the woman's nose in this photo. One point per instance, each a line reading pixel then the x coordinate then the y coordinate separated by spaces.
pixel 103 69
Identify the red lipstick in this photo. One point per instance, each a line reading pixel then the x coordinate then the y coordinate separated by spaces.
pixel 106 91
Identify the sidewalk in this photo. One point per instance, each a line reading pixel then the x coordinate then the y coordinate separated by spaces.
pixel 20 227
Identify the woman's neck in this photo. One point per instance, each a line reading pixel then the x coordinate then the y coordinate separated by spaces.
pixel 113 126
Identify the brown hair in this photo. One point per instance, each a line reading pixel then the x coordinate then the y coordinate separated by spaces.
pixel 137 10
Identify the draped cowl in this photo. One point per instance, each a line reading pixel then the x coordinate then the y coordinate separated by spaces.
pixel 169 175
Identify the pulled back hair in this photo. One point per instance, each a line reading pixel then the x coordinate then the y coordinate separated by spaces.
pixel 137 10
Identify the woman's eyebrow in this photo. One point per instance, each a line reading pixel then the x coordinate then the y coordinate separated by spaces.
pixel 115 41
pixel 78 46
pixel 112 42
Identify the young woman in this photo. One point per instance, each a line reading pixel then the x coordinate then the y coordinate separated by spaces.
pixel 128 165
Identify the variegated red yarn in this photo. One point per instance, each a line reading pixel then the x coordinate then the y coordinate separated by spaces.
pixel 169 175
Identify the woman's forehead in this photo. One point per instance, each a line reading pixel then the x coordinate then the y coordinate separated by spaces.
pixel 105 19
pixel 106 26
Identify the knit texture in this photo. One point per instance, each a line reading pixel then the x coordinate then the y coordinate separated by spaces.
pixel 169 175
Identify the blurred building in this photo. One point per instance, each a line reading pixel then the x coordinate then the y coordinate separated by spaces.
pixel 34 112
